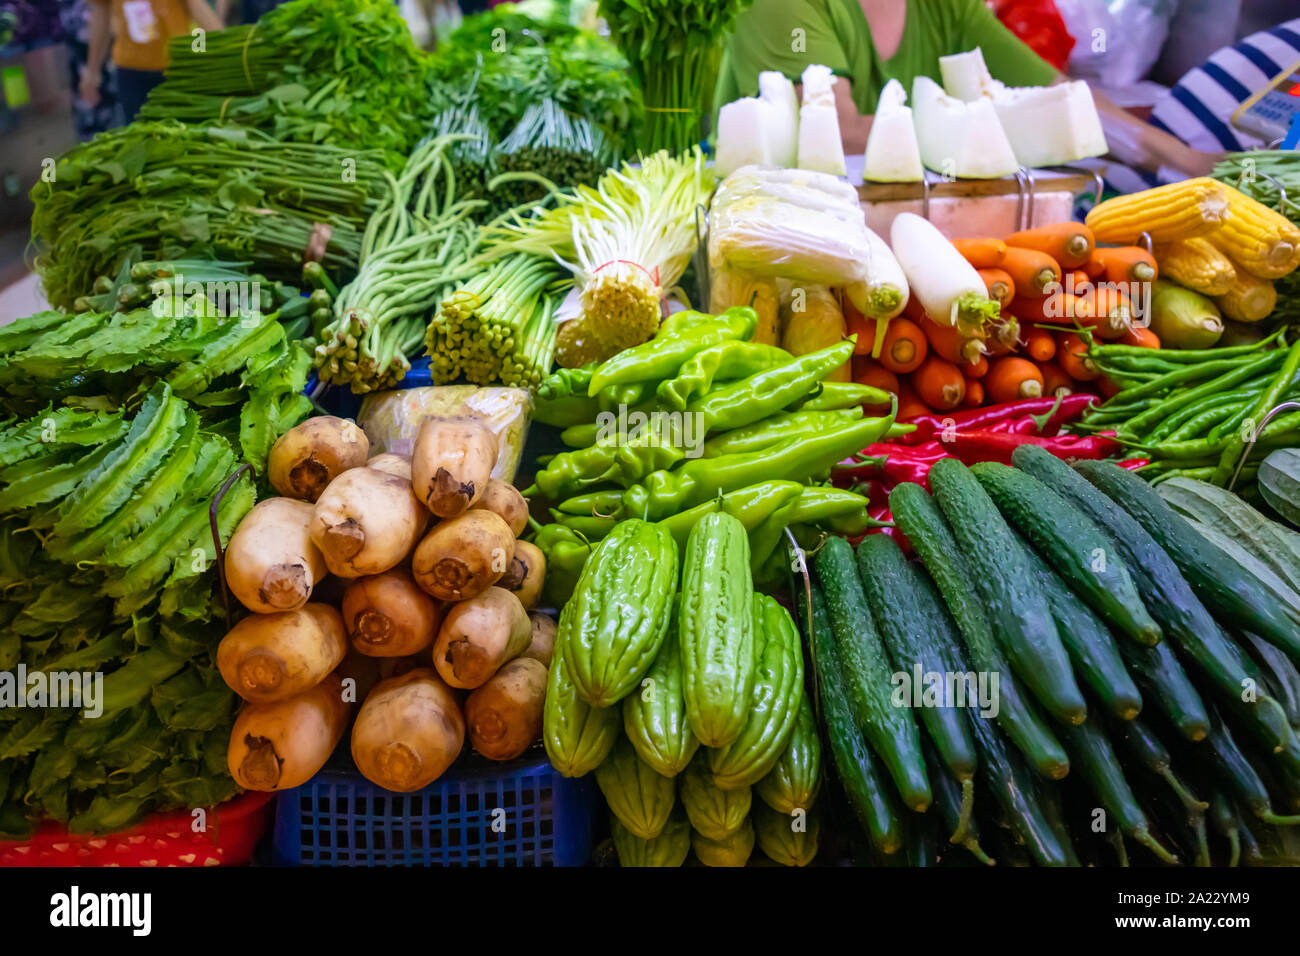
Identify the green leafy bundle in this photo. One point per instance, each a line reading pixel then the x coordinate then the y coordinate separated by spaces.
pixel 191 192
pixel 124 426
pixel 672 47
pixel 338 73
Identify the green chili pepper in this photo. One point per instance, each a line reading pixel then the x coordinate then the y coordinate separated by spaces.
pixel 1201 423
pixel 564 382
pixel 1240 372
pixel 618 460
pixel 595 503
pixel 750 505
pixel 688 320
pixel 662 356
pixel 664 493
pixel 767 392
pixel 627 395
pixel 845 511
pixel 590 527
pixel 566 554
pixel 1236 445
pixel 1193 410
pixel 778 428
pixel 565 412
pixel 836 395
pixel 726 360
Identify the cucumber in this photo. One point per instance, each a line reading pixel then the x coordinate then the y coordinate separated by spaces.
pixel 919 634
pixel 1283 676
pixel 1271 543
pixel 1157 671
pixel 1018 611
pixel 1096 761
pixel 1224 587
pixel 1279 482
pixel 920 519
pixel 891 730
pixel 949 800
pixel 1017 791
pixel 1184 619
pixel 1223 817
pixel 1091 647
pixel 864 781
pixel 1074 546
pixel 1142 745
pixel 1235 770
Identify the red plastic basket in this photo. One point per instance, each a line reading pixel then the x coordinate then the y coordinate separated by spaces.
pixel 164 839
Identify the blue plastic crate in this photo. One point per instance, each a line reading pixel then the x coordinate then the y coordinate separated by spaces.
pixel 338 818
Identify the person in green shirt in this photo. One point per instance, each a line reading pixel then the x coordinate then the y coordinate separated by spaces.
pixel 866 43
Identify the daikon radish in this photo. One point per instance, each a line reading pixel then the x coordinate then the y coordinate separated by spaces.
pixel 408 732
pixel 893 155
pixel 783 132
pixel 946 285
pixel 388 615
pixel 451 463
pixel 366 522
pixel 268 657
pixel 542 646
pixel 527 573
pixel 820 147
pixel 504 716
pixel 959 139
pixel 306 458
pixel 479 635
pixel 884 294
pixel 504 499
pixel 461 557
pixel 818 84
pixel 281 745
pixel 271 563
pixel 744 134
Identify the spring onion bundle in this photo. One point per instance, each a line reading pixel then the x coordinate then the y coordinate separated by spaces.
pixel 499 326
pixel 417 245
pixel 625 241
pixel 193 192
pixel 671 47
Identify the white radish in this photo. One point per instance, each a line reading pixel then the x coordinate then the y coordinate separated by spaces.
pixel 884 293
pixel 783 135
pixel 947 286
pixel 893 155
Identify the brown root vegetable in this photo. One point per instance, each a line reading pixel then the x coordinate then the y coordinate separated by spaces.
pixel 408 732
pixel 479 635
pixel 542 646
pixel 366 522
pixel 526 574
pixel 268 657
pixel 387 615
pixel 504 499
pixel 271 563
pixel 451 463
pixel 392 463
pixel 283 744
pixel 461 557
pixel 306 458
pixel 504 716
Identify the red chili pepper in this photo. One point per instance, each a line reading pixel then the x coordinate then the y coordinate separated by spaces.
pixel 1051 416
pixel 974 446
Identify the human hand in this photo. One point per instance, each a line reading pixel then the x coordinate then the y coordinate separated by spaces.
pixel 88 89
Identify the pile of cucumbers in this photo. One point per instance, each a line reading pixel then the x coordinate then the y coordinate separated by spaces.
pixel 1103 683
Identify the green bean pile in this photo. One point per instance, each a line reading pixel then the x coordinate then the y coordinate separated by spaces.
pixel 1193 412
pixel 416 248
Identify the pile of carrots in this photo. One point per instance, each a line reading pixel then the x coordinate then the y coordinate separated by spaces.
pixel 1050 282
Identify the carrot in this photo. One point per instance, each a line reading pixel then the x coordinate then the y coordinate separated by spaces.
pixel 1123 264
pixel 1076 281
pixel 978 370
pixel 998 346
pixel 974 393
pixel 1055 379
pixel 939 384
pixel 1141 337
pixel 904 346
pixel 1032 271
pixel 1012 378
pixel 910 404
pixel 855 323
pixel 1109 388
pixel 1069 243
pixel 1039 344
pixel 1057 309
pixel 1001 289
pixel 1112 308
pixel 1095 267
pixel 982 253
pixel 949 344
pixel 1072 355
pixel 867 371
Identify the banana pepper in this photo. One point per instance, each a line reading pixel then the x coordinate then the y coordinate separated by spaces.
pixel 662 356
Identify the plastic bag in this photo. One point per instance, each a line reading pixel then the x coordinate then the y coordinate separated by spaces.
pixel 797 224
pixel 1117 42
pixel 813 320
pixel 728 289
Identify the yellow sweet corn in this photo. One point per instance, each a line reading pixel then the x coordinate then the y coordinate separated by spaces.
pixel 1248 299
pixel 1167 213
pixel 1197 264
pixel 1263 242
